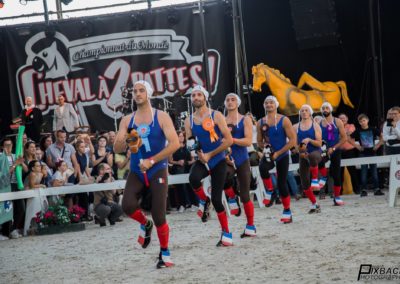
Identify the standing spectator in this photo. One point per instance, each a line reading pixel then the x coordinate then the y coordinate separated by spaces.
pixel 60 150
pixel 46 171
pixel 104 204
pixel 32 118
pixel 366 136
pixel 111 139
pixel 122 161
pixel 45 143
pixel 29 155
pixel 65 117
pixel 348 152
pixel 24 139
pixel 181 160
pixel 101 155
pixel 391 131
pixel 17 225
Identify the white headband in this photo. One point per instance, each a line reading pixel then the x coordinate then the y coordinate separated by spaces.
pixel 233 95
pixel 309 108
pixel 272 98
pixel 147 86
pixel 201 89
pixel 328 105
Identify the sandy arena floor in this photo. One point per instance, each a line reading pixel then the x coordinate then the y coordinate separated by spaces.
pixel 327 247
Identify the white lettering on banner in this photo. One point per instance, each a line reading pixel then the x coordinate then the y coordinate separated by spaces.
pixel 47 74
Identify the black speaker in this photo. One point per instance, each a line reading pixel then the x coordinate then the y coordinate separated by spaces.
pixel 314 23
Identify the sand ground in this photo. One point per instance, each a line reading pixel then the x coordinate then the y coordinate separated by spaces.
pixel 322 248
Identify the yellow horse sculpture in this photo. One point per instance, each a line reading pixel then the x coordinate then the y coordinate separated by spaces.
pixel 291 98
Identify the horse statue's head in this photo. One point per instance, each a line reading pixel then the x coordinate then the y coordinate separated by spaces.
pixel 259 76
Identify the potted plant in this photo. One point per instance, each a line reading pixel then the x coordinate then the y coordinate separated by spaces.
pixel 58 219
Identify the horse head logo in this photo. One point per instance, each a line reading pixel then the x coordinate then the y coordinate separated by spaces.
pixel 50 62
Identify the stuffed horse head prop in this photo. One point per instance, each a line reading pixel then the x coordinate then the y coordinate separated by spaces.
pixel 133 140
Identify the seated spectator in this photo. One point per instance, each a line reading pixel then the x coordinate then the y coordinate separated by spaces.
pixel 34 178
pixel 104 204
pixel 366 136
pixel 60 177
pixel 391 131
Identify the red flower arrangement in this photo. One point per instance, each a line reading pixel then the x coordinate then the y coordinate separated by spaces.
pixel 59 215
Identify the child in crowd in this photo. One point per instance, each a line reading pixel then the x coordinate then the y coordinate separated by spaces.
pixel 366 136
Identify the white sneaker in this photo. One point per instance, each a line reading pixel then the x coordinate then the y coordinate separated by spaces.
pixel 3 238
pixel 181 209
pixel 15 234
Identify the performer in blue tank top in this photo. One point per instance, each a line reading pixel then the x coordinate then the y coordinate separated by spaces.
pixel 275 136
pixel 309 147
pixel 242 131
pixel 148 169
pixel 210 130
pixel 334 134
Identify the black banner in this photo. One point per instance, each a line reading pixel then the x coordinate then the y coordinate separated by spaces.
pixel 89 61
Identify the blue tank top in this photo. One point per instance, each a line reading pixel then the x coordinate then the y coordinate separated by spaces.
pixel 277 137
pixel 309 133
pixel 156 143
pixel 330 137
pixel 239 153
pixel 206 145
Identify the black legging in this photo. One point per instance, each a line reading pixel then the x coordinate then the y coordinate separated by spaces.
pixel 244 178
pixel 282 168
pixel 312 160
pixel 158 187
pixel 352 169
pixel 334 168
pixel 218 174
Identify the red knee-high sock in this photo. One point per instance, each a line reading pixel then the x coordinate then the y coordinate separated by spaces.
pixel 286 202
pixel 229 191
pixel 336 190
pixel 249 210
pixel 200 193
pixel 223 220
pixel 323 171
pixel 139 216
pixel 310 194
pixel 163 235
pixel 268 184
pixel 314 172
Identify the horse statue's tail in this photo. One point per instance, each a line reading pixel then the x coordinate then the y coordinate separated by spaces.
pixel 343 91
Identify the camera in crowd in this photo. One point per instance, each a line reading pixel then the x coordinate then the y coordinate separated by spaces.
pixel 324 149
pixel 267 151
pixel 105 177
pixel 193 145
